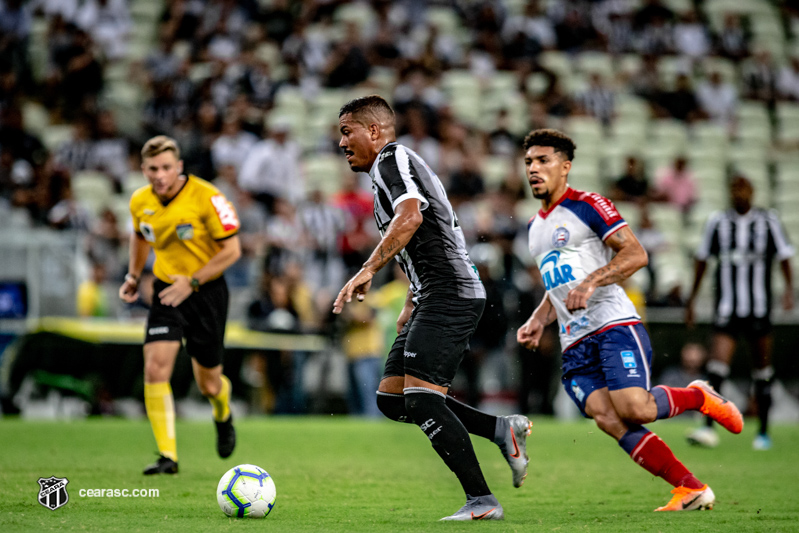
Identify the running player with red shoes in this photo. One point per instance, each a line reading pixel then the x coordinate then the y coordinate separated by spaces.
pixel 584 249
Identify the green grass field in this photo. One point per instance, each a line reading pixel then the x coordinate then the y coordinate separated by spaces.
pixel 339 474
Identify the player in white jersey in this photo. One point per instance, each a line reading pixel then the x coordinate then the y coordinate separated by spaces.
pixel 584 248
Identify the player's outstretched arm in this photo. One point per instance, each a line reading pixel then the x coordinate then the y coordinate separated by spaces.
pixel 787 274
pixel 529 334
pixel 699 272
pixel 630 256
pixel 405 314
pixel 407 219
pixel 138 251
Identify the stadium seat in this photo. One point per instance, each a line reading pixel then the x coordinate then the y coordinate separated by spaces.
pixel 55 135
pixel 709 135
pixel 445 19
pixel 558 62
pixel 35 117
pixel 323 172
pixel 93 190
pixel 495 169
pixel 669 132
pixel 590 62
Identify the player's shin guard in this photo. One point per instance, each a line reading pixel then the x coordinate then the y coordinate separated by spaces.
pixel 449 437
pixel 717 372
pixel 646 449
pixel 221 402
pixel 762 378
pixel 160 408
pixel 476 422
pixel 672 401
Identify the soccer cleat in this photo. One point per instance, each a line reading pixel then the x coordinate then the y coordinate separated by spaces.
pixel 719 408
pixel 513 445
pixel 761 443
pixel 225 437
pixel 686 499
pixel 164 465
pixel 479 508
pixel 703 436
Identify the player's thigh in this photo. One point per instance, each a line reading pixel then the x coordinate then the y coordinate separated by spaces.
pixel 599 406
pixel 394 370
pixel 159 360
pixel 634 404
pixel 438 338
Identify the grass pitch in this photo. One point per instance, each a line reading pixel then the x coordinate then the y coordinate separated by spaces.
pixel 339 474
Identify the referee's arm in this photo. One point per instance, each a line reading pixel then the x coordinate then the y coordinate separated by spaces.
pixel 139 250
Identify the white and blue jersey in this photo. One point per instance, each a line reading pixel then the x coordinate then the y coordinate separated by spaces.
pixel 568 243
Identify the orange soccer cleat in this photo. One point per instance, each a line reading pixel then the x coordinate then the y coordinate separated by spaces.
pixel 686 499
pixel 719 408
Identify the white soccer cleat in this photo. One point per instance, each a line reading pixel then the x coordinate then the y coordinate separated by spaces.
pixel 761 443
pixel 703 436
pixel 479 508
pixel 513 445
pixel 686 499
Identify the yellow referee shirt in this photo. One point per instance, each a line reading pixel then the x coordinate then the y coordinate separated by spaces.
pixel 184 231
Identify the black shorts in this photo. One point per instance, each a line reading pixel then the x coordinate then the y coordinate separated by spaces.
pixel 747 327
pixel 200 319
pixel 431 345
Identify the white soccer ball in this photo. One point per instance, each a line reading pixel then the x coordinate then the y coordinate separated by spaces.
pixel 246 491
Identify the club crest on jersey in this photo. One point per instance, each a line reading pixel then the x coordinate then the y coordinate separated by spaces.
pixel 557 275
pixel 560 238
pixel 185 231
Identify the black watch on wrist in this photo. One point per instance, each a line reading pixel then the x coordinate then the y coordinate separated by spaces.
pixel 195 284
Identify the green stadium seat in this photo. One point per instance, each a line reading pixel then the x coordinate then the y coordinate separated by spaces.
pixel 35 117
pixel 323 172
pixel 92 189
pixel 55 135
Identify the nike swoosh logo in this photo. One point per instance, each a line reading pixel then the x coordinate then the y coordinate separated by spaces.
pixel 481 516
pixel 517 452
pixel 719 396
pixel 685 505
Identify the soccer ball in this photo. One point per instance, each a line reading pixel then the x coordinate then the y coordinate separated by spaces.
pixel 246 491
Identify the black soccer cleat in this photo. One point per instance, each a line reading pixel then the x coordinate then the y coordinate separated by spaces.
pixel 164 465
pixel 225 437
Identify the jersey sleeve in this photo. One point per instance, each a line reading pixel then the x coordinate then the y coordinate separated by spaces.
pixel 221 218
pixel 133 206
pixel 782 245
pixel 598 213
pixel 710 239
pixel 400 177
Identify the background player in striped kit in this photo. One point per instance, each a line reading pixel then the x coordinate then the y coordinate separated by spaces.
pixel 745 240
pixel 584 248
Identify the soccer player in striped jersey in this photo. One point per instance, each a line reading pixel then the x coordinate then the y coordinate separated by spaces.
pixel 746 240
pixel 584 249
pixel 444 304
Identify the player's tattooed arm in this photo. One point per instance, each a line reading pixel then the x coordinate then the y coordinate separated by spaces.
pixel 630 257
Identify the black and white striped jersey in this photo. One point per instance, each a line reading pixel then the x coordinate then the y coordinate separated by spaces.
pixel 435 260
pixel 745 246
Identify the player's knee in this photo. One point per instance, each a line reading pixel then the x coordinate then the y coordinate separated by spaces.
pixel 155 371
pixel 610 423
pixel 209 387
pixel 420 405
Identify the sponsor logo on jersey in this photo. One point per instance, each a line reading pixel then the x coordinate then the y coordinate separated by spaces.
pixel 162 330
pixel 427 424
pixel 560 238
pixel 558 275
pixel 604 208
pixel 385 155
pixel 53 492
pixel 149 212
pixel 573 327
pixel 185 231
pixel 628 358
pixel 147 231
pixel 578 392
pixel 227 216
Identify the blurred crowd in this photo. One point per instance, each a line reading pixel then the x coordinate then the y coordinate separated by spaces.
pixel 233 82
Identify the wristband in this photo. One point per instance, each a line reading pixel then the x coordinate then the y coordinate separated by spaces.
pixel 131 278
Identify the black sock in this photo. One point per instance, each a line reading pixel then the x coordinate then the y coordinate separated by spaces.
pixel 448 436
pixel 763 398
pixel 476 422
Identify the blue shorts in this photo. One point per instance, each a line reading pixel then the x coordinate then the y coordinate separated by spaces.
pixel 617 358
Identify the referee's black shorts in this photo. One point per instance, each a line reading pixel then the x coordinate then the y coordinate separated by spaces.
pixel 750 327
pixel 431 345
pixel 200 319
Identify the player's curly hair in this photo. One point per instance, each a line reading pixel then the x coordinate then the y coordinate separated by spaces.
pixel 558 140
pixel 372 107
pixel 158 145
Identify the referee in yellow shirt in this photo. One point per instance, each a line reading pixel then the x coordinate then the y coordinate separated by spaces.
pixel 193 230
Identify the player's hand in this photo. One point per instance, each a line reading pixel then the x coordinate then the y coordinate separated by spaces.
pixel 176 294
pixel 787 300
pixel 129 290
pixel 529 335
pixel 404 316
pixel 578 296
pixel 690 318
pixel 358 285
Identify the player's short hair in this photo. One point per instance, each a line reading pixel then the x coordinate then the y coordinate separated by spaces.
pixel 367 109
pixel 158 145
pixel 558 140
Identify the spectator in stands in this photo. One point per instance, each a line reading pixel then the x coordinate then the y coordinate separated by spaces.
pixel 645 81
pixel 501 140
pixel 66 212
pixel 598 100
pixel 418 138
pixel 233 144
pixel 105 242
pixel 109 24
pixel 759 75
pixel 285 238
pixel 15 29
pixel 357 241
pixel 681 103
pixel 162 111
pixel 690 368
pixel 362 342
pixel 17 141
pixel 163 63
pixel 272 167
pixel 691 36
pixel 633 185
pixel 676 185
pixel 654 30
pixel 76 153
pixel 466 182
pixel 110 150
pixel 257 81
pixel 92 298
pixel 77 77
pixel 788 80
pixel 718 99
pixel 324 225
pixel 653 241
pixel 733 39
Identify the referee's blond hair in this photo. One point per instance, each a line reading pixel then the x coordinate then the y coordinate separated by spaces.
pixel 158 145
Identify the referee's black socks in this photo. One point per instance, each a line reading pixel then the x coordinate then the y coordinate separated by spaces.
pixel 450 439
